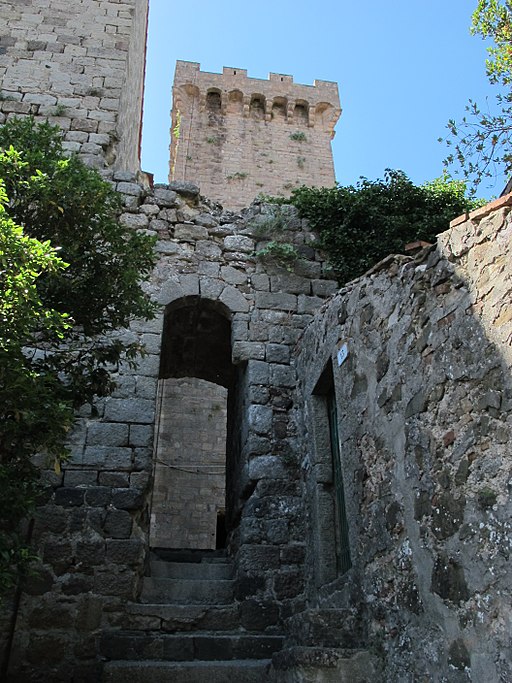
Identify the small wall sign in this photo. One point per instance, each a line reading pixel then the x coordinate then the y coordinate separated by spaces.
pixel 342 353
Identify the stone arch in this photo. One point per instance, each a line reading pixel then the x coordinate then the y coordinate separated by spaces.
pixel 301 113
pixel 195 424
pixel 214 100
pixel 324 113
pixel 235 102
pixel 279 108
pixel 191 90
pixel 257 106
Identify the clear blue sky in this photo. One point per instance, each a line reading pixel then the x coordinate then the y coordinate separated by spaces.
pixel 404 67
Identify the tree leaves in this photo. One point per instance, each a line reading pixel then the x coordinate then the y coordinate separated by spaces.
pixel 482 140
pixel 358 226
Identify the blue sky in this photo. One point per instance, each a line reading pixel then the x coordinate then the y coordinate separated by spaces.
pixel 404 67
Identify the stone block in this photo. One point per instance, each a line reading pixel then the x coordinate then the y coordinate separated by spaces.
pixel 244 350
pixel 107 434
pixel 233 276
pixel 239 243
pixel 141 435
pixel 258 372
pixel 309 304
pixel 136 221
pixel 118 524
pixel 234 300
pixel 69 497
pixel 257 557
pixel 125 552
pixel 129 188
pixel 137 410
pixel 127 498
pixel 80 478
pixel 98 496
pixel 276 301
pixel 260 282
pixel 283 376
pixel 116 479
pixel 190 233
pixel 184 188
pixel 267 467
pixel 260 419
pixel 293 284
pixel 108 458
pixel 277 353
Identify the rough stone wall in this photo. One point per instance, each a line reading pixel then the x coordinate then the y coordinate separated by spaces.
pixel 92 532
pixel 189 486
pixel 238 137
pixel 424 416
pixel 80 65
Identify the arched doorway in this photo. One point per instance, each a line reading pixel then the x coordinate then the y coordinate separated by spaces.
pixel 197 378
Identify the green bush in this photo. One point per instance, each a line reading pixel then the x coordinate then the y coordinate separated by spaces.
pixel 357 226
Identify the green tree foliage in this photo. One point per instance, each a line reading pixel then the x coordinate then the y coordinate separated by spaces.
pixel 32 412
pixel 482 141
pixel 70 276
pixel 357 226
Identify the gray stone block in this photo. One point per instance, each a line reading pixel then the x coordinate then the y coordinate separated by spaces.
pixel 185 189
pixel 234 300
pixel 190 233
pixel 258 372
pixel 129 188
pixel 277 301
pixel 108 458
pixel 260 419
pixel 267 467
pixel 283 376
pixel 138 410
pixel 141 435
pixel 247 350
pixel 107 434
pixel 239 243
pixel 278 353
pixel 233 276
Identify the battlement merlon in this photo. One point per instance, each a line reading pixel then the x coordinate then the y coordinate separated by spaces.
pixel 325 93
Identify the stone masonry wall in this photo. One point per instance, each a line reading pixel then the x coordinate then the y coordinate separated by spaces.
pixel 424 416
pixel 190 464
pixel 92 532
pixel 238 137
pixel 80 65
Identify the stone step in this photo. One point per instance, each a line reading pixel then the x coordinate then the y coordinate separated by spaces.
pixel 190 570
pixel 187 591
pixel 183 647
pixel 329 665
pixel 171 555
pixel 247 671
pixel 173 618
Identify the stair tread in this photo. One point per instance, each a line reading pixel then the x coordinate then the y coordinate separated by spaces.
pixel 148 671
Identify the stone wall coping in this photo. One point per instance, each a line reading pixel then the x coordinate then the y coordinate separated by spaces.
pixel 482 211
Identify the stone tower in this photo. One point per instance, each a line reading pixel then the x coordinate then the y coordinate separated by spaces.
pixel 80 65
pixel 238 136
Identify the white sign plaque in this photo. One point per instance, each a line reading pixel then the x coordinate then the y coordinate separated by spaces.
pixel 342 353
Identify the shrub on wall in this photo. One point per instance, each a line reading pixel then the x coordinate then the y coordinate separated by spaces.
pixel 359 225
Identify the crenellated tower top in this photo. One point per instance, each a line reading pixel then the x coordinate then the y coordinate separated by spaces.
pixel 239 136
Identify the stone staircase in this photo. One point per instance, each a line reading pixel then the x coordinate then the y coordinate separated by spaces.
pixel 186 628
